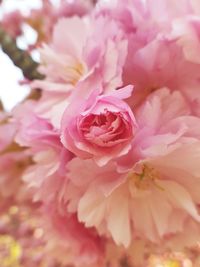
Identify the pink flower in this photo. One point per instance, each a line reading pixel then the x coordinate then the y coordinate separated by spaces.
pixel 165 121
pixel 75 244
pixel 12 23
pixel 152 200
pixel 77 50
pixel 158 35
pixel 160 170
pixel 79 8
pixel 168 10
pixel 44 19
pixel 110 166
pixel 32 130
pixel 100 127
pixel 47 178
pixel 13 162
pixel 79 57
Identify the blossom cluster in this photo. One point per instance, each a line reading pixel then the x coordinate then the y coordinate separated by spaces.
pixel 110 152
pixel 43 19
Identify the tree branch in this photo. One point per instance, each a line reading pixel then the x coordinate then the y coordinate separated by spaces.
pixel 19 57
pixel 1 106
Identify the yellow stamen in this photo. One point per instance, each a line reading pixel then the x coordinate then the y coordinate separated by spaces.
pixel 145 179
pixel 172 263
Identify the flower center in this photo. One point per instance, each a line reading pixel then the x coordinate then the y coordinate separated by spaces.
pixel 145 177
pixel 169 261
pixel 105 129
pixel 74 72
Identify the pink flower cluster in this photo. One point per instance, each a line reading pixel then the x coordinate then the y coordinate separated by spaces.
pixel 114 139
